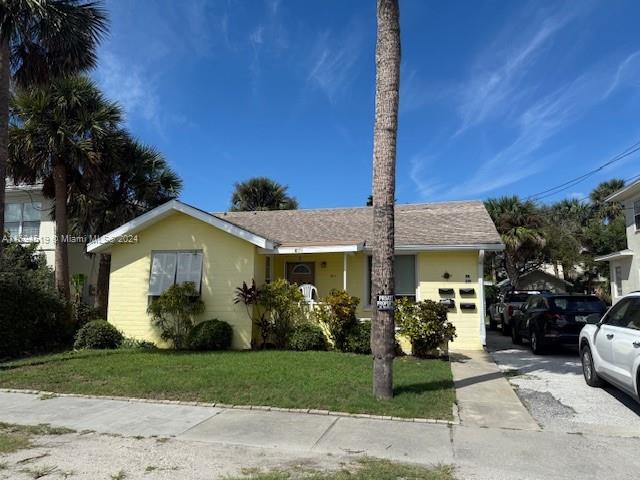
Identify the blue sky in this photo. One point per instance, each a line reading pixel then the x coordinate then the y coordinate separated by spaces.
pixel 497 97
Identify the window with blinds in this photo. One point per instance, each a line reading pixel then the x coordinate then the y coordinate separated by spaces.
pixel 404 271
pixel 22 220
pixel 169 268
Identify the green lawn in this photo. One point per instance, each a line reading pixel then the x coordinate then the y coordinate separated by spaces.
pixel 319 380
pixel 368 469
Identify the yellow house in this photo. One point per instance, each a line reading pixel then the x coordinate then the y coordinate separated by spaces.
pixel 440 250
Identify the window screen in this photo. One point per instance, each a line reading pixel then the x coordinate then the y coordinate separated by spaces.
pixel 618 280
pixel 405 276
pixel 189 268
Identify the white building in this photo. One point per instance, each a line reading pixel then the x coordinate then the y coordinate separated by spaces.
pixel 625 265
pixel 27 219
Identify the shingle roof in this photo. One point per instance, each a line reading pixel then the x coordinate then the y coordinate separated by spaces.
pixel 451 223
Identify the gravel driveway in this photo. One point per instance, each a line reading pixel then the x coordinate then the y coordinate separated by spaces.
pixel 553 389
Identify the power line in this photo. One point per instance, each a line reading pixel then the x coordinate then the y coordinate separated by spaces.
pixel 570 183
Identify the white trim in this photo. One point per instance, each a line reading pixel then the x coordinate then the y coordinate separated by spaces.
pixel 344 271
pixel 143 221
pixel 623 193
pixel 312 249
pixel 483 307
pixel 615 256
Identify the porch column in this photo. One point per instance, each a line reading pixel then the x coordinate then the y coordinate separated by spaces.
pixel 344 271
pixel 482 309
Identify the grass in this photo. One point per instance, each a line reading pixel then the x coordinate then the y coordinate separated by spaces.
pixel 367 469
pixel 18 437
pixel 319 380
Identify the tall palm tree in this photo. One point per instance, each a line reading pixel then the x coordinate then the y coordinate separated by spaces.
pixel 56 135
pixel 521 227
pixel 261 193
pixel 132 179
pixel 41 40
pixel 602 209
pixel 384 185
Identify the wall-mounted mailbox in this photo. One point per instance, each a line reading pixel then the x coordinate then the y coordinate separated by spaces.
pixel 448 302
pixel 467 291
pixel 446 291
pixel 467 306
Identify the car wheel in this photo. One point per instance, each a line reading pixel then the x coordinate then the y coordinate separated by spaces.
pixel 588 368
pixel 516 338
pixel 505 328
pixel 534 343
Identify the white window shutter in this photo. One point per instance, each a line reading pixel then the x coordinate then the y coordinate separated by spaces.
pixel 190 268
pixel 163 272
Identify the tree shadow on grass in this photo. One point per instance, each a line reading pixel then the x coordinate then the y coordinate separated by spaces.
pixel 423 387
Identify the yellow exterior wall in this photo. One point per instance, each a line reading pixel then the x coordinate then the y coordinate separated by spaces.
pixel 431 268
pixel 227 262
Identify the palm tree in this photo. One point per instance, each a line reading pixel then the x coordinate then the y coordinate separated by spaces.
pixel 606 210
pixel 132 178
pixel 261 193
pixel 56 135
pixel 521 227
pixel 41 40
pixel 384 185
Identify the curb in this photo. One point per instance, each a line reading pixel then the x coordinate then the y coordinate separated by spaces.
pixel 308 411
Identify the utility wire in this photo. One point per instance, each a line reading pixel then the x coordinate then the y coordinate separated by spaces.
pixel 566 185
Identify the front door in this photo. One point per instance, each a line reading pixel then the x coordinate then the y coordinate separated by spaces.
pixel 301 272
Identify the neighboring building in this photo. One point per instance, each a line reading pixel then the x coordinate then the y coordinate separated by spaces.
pixel 440 255
pixel 624 266
pixel 538 280
pixel 27 219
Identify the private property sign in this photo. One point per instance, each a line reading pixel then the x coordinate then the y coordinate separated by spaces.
pixel 384 303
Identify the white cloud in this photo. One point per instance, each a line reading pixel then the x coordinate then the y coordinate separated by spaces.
pixel 332 69
pixel 628 72
pixel 129 86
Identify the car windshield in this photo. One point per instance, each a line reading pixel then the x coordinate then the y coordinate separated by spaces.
pixel 579 304
pixel 517 297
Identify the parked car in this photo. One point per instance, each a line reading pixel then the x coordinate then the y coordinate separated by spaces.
pixel 610 348
pixel 554 319
pixel 511 303
pixel 494 314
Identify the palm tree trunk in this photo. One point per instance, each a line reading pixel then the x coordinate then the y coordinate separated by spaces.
pixel 384 184
pixel 5 80
pixel 62 251
pixel 103 283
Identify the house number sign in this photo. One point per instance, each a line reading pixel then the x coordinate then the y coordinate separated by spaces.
pixel 384 303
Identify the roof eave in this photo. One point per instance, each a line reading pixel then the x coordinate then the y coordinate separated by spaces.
pixel 105 242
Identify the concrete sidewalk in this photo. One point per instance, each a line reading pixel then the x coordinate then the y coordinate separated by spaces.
pixel 477 453
pixel 405 441
pixel 484 396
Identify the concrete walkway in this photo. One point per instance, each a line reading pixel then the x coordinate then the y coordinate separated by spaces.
pixel 485 397
pixel 477 453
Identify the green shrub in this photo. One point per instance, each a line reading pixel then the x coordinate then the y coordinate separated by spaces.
pixel 425 323
pixel 130 343
pixel 358 339
pixel 307 336
pixel 337 312
pixel 283 306
pixel 210 335
pixel 173 313
pixel 33 316
pixel 98 334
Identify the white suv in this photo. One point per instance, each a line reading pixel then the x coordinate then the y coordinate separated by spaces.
pixel 610 348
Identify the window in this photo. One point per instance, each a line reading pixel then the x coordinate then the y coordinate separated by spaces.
pixel 616 316
pixel 579 304
pixel 618 280
pixel 632 317
pixel 22 220
pixel 636 213
pixel 404 273
pixel 169 268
